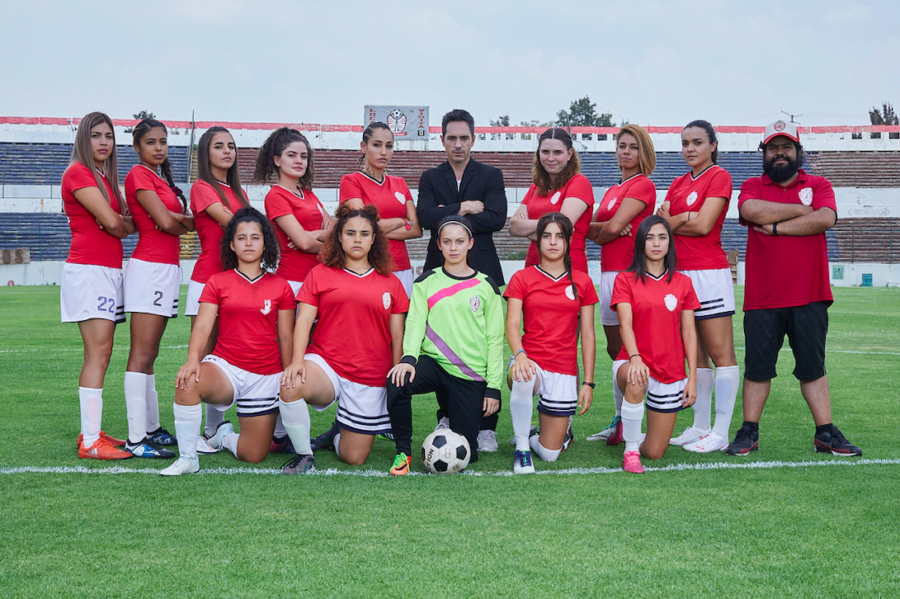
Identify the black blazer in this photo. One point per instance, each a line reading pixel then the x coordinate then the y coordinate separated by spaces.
pixel 439 197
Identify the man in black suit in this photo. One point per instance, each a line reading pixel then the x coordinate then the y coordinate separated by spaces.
pixel 468 188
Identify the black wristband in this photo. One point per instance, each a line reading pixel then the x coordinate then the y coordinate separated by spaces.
pixel 633 355
pixel 775 229
pixel 591 385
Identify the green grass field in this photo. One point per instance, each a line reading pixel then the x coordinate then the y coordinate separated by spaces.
pixel 798 524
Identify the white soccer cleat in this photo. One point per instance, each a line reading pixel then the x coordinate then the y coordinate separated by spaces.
pixel 522 463
pixel 487 441
pixel 690 435
pixel 607 432
pixel 215 442
pixel 204 447
pixel 708 444
pixel 442 423
pixel 181 466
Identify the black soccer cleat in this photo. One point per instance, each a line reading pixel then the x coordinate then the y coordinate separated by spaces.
pixel 833 442
pixel 745 441
pixel 326 439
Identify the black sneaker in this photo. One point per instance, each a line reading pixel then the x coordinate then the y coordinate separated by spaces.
pixel 326 439
pixel 745 441
pixel 162 437
pixel 833 442
pixel 147 449
pixel 299 464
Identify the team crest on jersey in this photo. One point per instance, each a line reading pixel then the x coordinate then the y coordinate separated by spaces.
pixel 267 307
pixel 555 199
pixel 475 303
pixel 779 125
pixel 806 196
pixel 612 203
pixel 671 302
pixel 396 120
pixel 400 197
pixel 386 300
pixel 692 198
pixel 570 292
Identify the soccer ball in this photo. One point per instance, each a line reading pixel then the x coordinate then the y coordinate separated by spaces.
pixel 444 452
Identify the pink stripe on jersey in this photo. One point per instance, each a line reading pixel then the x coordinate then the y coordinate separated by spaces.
pixel 451 291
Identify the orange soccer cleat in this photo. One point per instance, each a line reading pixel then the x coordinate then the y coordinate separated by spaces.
pixel 111 440
pixel 102 450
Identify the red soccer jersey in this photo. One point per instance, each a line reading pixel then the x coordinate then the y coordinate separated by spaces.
pixel 656 308
pixel 550 311
pixel 786 270
pixel 248 318
pixel 578 187
pixel 307 209
pixel 616 255
pixel 390 197
pixel 90 244
pixel 353 333
pixel 687 194
pixel 208 229
pixel 153 244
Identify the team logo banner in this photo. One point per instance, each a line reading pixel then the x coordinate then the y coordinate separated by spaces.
pixel 406 122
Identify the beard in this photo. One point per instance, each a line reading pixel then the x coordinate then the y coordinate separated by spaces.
pixel 782 173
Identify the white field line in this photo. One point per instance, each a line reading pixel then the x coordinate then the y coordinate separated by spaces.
pixel 730 465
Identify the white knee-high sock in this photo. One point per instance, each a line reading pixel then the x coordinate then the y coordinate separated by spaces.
pixel 548 455
pixel 703 406
pixel 520 409
pixel 279 428
pixel 618 394
pixel 632 415
pixel 152 404
pixel 230 442
pixel 337 444
pixel 295 416
pixel 728 378
pixel 214 417
pixel 187 429
pixel 136 405
pixel 91 402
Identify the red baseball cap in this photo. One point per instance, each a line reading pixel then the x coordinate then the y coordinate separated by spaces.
pixel 789 130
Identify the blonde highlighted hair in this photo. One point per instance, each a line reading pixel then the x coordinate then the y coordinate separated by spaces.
pixel 646 151
pixel 539 175
pixel 82 154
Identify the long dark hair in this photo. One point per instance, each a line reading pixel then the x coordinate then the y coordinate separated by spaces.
pixel 539 175
pixel 274 146
pixel 639 262
pixel 233 177
pixel 139 131
pixel 367 135
pixel 270 244
pixel 565 226
pixel 332 252
pixel 81 153
pixel 710 133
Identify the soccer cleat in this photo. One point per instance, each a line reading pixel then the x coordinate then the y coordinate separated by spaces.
pixel 299 464
pixel 102 450
pixel 281 445
pixel 442 423
pixel 833 442
pixel 487 441
pixel 607 432
pixel 631 462
pixel 522 463
pixel 569 439
pixel 388 436
pixel 690 435
pixel 708 444
pixel 162 437
pixel 111 440
pixel 616 438
pixel 225 428
pixel 181 466
pixel 745 441
pixel 326 439
pixel 204 447
pixel 148 449
pixel 401 464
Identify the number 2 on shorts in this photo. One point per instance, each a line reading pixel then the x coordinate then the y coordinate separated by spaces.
pixel 159 296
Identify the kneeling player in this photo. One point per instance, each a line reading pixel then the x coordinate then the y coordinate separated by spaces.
pixel 656 307
pixel 556 302
pixel 360 307
pixel 453 341
pixel 256 316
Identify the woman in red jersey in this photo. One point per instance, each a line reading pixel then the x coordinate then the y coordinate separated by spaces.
pixel 624 206
pixel 656 317
pixel 91 284
pixel 695 208
pixel 557 187
pixel 372 187
pixel 557 303
pixel 255 311
pixel 152 281
pixel 360 308
pixel 215 197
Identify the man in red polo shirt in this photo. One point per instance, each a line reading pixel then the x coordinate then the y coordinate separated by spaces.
pixel 788 290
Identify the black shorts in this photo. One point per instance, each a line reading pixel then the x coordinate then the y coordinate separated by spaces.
pixel 806 328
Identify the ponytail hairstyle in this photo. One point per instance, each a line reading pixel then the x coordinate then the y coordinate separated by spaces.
pixel 82 154
pixel 332 252
pixel 539 175
pixel 139 131
pixel 233 177
pixel 639 262
pixel 249 214
pixel 565 226
pixel 646 151
pixel 275 146
pixel 710 133
pixel 367 135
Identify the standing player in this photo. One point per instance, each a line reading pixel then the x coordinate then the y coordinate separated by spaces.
pixel 152 281
pixel 656 314
pixel 623 208
pixel 255 311
pixel 557 304
pixel 695 209
pixel 453 340
pixel 215 196
pixel 360 307
pixel 91 284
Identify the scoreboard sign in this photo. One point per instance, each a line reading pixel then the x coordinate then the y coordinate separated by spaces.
pixel 406 122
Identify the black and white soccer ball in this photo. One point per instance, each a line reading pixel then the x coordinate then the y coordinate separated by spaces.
pixel 444 452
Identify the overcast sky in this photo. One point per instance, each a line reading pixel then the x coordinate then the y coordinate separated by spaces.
pixel 653 63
